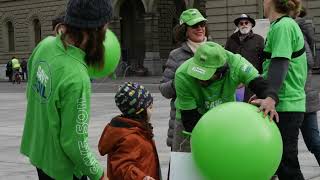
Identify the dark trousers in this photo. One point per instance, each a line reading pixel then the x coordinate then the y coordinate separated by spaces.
pixel 289 124
pixel 44 176
pixel 24 72
pixel 9 75
pixel 310 133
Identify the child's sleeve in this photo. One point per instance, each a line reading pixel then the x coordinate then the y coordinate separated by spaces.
pixel 102 143
pixel 125 158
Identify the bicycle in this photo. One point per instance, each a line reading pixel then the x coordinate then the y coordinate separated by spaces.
pixel 16 77
pixel 123 69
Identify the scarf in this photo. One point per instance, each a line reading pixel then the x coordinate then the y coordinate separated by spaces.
pixel 194 45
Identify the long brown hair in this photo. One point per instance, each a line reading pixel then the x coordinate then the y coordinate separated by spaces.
pixel 287 6
pixel 94 48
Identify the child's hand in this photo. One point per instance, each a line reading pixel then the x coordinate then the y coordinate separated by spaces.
pixel 148 178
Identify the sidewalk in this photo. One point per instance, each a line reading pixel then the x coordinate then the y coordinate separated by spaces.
pixel 12 110
pixel 110 85
pixel 14 166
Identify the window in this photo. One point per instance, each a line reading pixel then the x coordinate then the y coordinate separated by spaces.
pixel 37 31
pixel 10 36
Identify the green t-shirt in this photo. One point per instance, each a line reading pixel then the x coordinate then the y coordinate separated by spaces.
pixel 55 136
pixel 283 39
pixel 191 95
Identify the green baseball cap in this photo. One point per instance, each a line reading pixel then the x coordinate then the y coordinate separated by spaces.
pixel 191 17
pixel 207 59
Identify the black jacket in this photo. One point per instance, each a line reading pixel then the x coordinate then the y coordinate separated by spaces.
pixel 250 48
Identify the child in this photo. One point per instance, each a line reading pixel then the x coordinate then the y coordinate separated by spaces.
pixel 127 139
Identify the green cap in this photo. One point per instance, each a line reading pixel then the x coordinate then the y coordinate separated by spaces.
pixel 207 59
pixel 191 17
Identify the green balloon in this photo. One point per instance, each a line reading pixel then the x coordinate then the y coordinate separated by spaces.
pixel 111 57
pixel 233 141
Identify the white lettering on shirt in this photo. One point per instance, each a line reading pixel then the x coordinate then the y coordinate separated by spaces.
pixel 82 128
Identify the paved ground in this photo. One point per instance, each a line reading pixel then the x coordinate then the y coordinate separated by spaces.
pixel 14 166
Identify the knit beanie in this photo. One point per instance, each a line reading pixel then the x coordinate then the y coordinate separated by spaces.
pixel 88 13
pixel 133 98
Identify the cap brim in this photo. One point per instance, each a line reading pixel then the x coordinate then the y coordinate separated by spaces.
pixel 195 21
pixel 199 72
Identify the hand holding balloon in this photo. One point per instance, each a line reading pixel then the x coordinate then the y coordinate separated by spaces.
pixel 267 105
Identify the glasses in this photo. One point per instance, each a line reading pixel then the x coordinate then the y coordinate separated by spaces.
pixel 243 23
pixel 201 24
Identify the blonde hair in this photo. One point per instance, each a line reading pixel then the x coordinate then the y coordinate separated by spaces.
pixel 291 7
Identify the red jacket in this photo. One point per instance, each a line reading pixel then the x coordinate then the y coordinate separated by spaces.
pixel 132 153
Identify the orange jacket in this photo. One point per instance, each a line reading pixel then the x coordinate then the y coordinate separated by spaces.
pixel 132 153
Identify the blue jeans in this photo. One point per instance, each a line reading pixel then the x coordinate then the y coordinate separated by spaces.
pixel 310 133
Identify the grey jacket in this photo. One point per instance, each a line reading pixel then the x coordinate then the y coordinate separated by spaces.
pixel 166 87
pixel 312 95
pixel 308 31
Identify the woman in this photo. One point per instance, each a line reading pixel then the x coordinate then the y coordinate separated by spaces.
pixel 189 34
pixel 309 128
pixel 55 136
pixel 285 67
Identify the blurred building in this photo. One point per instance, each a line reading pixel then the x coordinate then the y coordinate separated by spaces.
pixel 144 27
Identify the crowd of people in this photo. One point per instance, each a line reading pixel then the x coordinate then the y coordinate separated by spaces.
pixel 15 69
pixel 198 76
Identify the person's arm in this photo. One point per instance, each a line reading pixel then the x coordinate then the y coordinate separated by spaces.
pixel 261 88
pixel 186 103
pixel 29 67
pixel 260 54
pixel 75 113
pixel 190 118
pixel 125 157
pixel 166 86
pixel 310 59
pixel 277 72
pixel 250 76
pixel 267 97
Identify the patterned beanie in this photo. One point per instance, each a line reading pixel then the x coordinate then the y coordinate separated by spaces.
pixel 133 98
pixel 88 13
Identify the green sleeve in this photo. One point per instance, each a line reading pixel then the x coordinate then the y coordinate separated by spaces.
pixel 185 100
pixel 30 69
pixel 281 42
pixel 246 71
pixel 74 131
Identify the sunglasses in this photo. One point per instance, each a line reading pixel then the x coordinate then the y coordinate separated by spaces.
pixel 243 23
pixel 201 24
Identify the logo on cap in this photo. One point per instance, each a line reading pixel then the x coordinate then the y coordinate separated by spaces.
pixel 199 70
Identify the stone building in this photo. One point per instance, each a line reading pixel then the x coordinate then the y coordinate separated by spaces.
pixel 144 27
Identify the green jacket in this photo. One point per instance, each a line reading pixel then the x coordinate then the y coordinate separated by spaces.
pixel 15 63
pixel 55 136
